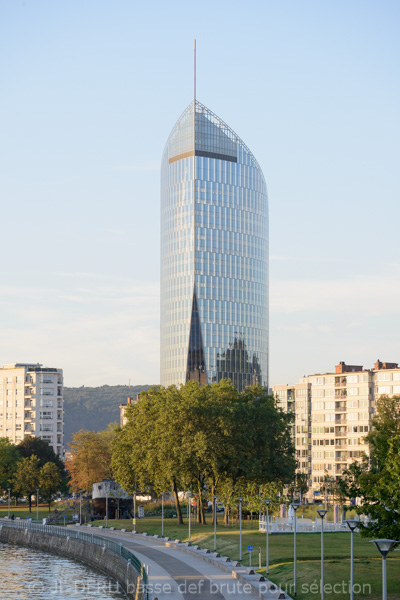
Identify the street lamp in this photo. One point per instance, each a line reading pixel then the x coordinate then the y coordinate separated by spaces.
pixel 215 522
pixel 188 495
pixel 80 507
pixel 106 508
pixel 9 498
pixel 37 504
pixel 267 503
pixel 322 512
pixel 240 527
pixel 352 524
pixel 384 547
pixel 134 510
pixel 162 514
pixel 295 507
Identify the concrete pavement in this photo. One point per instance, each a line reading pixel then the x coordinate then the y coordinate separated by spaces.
pixel 179 572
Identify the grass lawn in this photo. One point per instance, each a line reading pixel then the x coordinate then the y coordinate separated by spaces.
pixel 22 511
pixel 367 568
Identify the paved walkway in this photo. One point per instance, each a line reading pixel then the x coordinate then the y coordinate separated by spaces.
pixel 178 575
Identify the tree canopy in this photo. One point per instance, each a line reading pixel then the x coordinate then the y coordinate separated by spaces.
pixel 90 458
pixel 375 479
pixel 203 438
pixel 9 458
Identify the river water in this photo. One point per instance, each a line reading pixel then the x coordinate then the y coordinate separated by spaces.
pixel 27 574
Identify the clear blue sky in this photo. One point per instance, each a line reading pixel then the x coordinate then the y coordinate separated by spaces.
pixel 89 93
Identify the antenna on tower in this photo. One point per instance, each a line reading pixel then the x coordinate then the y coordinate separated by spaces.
pixel 194 72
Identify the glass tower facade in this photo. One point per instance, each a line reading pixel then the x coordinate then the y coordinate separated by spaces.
pixel 214 255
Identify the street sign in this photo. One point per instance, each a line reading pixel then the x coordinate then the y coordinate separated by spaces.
pixel 250 549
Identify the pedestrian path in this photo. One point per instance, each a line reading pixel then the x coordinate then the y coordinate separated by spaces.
pixel 176 572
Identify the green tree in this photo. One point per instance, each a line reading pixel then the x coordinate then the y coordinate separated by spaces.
pixel 50 481
pixel 9 458
pixel 34 446
pixel 375 479
pixel 199 438
pixel 26 479
pixel 90 458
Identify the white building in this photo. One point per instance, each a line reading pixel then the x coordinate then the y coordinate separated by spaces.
pixel 333 413
pixel 31 404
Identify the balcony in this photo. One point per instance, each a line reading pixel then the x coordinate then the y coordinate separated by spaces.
pixel 340 407
pixel 340 383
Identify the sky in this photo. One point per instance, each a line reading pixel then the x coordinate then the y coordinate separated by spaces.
pixel 89 93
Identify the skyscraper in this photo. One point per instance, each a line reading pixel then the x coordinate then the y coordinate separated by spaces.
pixel 214 255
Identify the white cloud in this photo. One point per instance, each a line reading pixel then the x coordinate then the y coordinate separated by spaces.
pixel 361 295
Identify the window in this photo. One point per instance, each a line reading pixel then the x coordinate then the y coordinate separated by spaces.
pixel 384 376
pixel 352 391
pixel 329 405
pixel 383 389
pixel 396 388
pixel 47 391
pixel 352 416
pixel 396 376
pixel 329 417
pixel 318 393
pixel 352 379
pixel 46 426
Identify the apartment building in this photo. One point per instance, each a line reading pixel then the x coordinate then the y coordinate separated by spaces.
pixel 31 404
pixel 333 414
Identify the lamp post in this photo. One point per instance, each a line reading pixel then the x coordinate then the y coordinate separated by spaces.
pixel 240 527
pixel 267 503
pixel 322 512
pixel 295 507
pixel 215 522
pixel 384 547
pixel 162 514
pixel 80 507
pixel 134 510
pixel 106 508
pixel 188 495
pixel 9 498
pixel 37 504
pixel 352 524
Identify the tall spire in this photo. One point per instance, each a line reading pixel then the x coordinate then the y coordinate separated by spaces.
pixel 194 73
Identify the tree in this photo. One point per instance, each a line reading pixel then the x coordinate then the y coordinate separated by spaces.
pixel 199 438
pixel 9 458
pixel 50 481
pixel 375 479
pixel 299 486
pixel 34 446
pixel 31 445
pixel 26 479
pixel 90 459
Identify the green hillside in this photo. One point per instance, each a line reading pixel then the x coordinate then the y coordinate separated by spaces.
pixel 94 407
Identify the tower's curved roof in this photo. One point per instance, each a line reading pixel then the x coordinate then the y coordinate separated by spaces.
pixel 208 127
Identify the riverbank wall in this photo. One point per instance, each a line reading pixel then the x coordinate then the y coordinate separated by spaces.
pixel 98 556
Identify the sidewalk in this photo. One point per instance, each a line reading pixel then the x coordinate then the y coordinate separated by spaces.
pixel 177 571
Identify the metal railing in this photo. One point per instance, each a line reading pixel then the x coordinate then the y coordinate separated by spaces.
pixel 89 538
pixel 287 526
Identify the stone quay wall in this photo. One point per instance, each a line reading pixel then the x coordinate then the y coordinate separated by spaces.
pixel 95 555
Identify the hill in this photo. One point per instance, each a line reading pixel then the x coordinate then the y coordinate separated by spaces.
pixel 94 407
